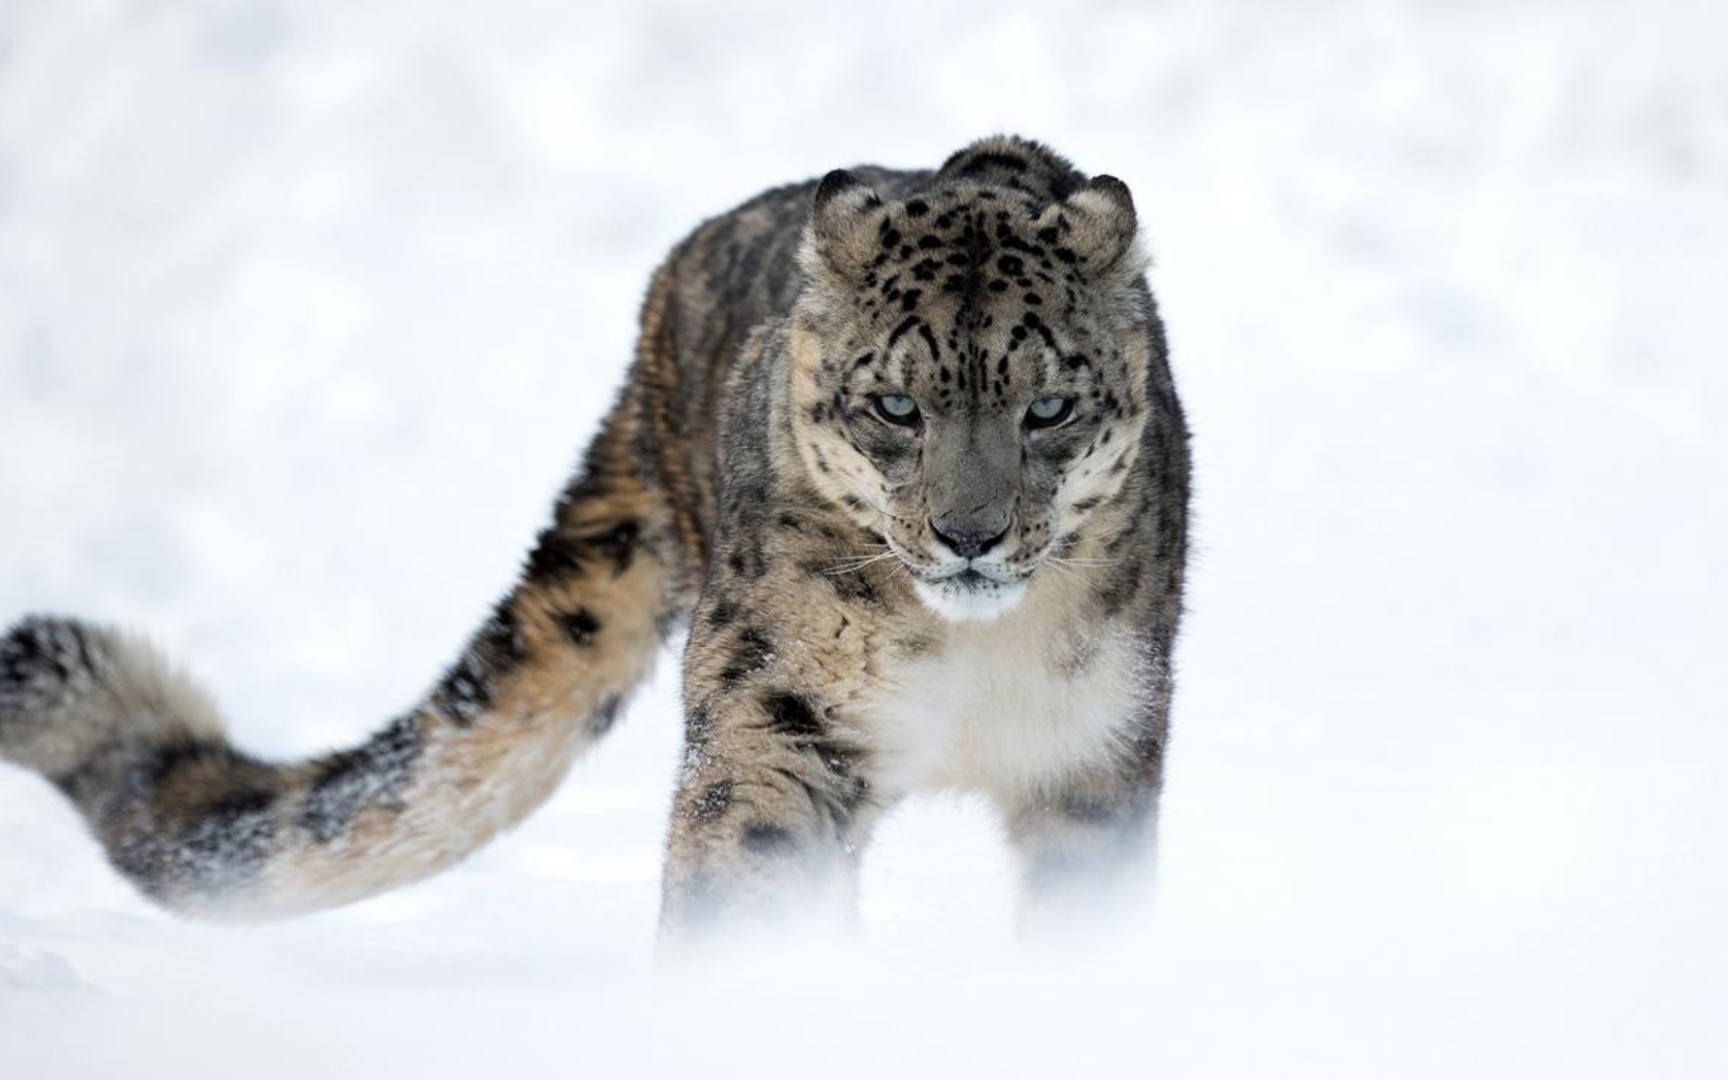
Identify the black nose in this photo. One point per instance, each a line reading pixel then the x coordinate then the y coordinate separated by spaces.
pixel 967 540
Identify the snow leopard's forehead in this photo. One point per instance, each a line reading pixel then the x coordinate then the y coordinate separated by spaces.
pixel 972 295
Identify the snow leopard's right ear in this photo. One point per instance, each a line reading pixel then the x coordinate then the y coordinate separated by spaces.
pixel 841 236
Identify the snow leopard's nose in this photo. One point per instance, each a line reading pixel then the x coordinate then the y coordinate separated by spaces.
pixel 969 536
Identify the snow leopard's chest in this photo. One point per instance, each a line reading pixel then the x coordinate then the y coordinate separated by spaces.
pixel 1005 712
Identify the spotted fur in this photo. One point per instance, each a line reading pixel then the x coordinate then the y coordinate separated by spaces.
pixel 898 574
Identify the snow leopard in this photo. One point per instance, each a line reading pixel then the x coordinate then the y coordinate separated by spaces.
pixel 901 459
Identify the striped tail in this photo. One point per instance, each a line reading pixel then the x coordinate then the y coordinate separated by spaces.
pixel 207 830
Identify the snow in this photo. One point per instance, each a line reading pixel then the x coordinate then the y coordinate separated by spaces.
pixel 305 309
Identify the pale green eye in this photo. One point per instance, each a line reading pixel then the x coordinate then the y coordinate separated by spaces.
pixel 897 409
pixel 1048 411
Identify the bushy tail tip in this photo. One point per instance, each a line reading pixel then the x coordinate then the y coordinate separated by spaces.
pixel 71 689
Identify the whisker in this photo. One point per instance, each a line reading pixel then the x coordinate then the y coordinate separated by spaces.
pixel 854 565
pixel 868 550
pixel 1082 562
pixel 1102 537
pixel 1065 571
pixel 872 504
pixel 864 497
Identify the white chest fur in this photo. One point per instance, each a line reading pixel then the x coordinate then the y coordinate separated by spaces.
pixel 1007 707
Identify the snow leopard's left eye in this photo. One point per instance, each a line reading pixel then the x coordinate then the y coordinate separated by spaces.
pixel 1049 411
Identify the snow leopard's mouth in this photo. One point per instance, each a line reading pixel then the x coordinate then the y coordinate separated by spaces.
pixel 964 590
pixel 974 576
pixel 971 579
pixel 970 594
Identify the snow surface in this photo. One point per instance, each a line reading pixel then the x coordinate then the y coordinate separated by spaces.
pixel 305 309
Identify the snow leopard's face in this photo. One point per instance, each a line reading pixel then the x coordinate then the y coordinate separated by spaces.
pixel 969 373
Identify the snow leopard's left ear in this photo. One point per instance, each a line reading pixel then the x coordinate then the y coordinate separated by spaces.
pixel 841 235
pixel 1095 229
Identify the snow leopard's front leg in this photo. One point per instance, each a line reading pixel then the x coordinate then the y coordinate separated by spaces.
pixel 1087 847
pixel 773 802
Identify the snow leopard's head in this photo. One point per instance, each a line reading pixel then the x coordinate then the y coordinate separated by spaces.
pixel 970 370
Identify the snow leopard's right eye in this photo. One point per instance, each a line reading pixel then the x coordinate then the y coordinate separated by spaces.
pixel 897 409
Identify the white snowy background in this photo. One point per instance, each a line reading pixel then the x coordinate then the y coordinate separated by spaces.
pixel 307 306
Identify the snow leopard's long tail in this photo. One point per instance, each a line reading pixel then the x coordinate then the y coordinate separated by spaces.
pixel 207 830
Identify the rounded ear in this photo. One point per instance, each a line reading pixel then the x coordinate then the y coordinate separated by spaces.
pixel 837 237
pixel 1096 226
